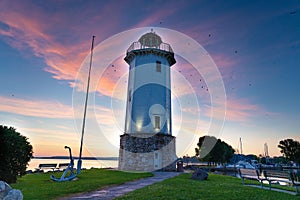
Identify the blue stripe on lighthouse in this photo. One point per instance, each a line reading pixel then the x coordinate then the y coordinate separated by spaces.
pixel 146 96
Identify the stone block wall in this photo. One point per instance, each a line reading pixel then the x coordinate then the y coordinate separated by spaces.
pixel 147 152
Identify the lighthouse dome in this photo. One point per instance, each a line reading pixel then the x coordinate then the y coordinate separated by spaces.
pixel 150 40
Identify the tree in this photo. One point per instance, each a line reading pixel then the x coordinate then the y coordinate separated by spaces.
pixel 205 146
pixel 213 150
pixel 290 149
pixel 228 152
pixel 280 160
pixel 15 153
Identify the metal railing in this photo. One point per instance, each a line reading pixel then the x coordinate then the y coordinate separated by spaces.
pixel 138 45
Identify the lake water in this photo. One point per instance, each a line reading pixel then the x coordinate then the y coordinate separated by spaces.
pixel 34 163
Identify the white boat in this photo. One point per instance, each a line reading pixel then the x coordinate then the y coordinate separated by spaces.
pixel 238 165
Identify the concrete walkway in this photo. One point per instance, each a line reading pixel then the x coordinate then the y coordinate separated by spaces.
pixel 116 191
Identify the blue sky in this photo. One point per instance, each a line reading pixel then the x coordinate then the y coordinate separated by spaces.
pixel 254 44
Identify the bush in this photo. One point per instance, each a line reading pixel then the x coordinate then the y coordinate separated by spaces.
pixel 15 153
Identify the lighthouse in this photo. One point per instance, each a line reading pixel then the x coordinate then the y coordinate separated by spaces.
pixel 147 143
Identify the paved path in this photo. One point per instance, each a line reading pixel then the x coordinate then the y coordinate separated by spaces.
pixel 273 189
pixel 116 191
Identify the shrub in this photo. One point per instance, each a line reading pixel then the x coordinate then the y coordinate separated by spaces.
pixel 15 153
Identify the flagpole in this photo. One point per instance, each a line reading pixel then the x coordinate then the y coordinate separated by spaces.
pixel 79 163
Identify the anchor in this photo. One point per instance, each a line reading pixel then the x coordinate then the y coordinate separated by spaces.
pixel 79 163
pixel 69 169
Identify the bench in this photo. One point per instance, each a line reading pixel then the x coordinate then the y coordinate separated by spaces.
pixel 46 166
pixel 62 166
pixel 289 177
pixel 251 174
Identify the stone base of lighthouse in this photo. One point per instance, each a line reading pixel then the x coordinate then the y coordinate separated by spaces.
pixel 139 152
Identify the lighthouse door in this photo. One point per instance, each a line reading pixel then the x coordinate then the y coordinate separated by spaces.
pixel 157 160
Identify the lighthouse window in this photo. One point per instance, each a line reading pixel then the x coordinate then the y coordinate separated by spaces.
pixel 158 66
pixel 157 122
pixel 129 96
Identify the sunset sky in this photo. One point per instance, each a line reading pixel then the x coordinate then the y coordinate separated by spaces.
pixel 45 46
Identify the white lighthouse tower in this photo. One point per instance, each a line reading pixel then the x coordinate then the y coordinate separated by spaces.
pixel 147 143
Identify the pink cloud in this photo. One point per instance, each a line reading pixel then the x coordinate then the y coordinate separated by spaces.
pixel 55 37
pixel 240 110
pixel 35 108
pixel 237 110
pixel 38 31
pixel 223 60
pixel 113 73
pixel 157 17
pixel 28 32
pixel 59 40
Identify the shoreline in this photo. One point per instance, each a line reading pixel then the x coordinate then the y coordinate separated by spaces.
pixel 75 158
pixel 99 162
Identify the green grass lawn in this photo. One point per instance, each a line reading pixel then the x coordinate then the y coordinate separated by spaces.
pixel 39 186
pixel 216 187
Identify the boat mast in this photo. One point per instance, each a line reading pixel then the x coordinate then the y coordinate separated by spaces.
pixel 241 145
pixel 266 152
pixel 79 163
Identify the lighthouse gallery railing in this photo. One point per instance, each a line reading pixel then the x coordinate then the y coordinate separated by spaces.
pixel 138 45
